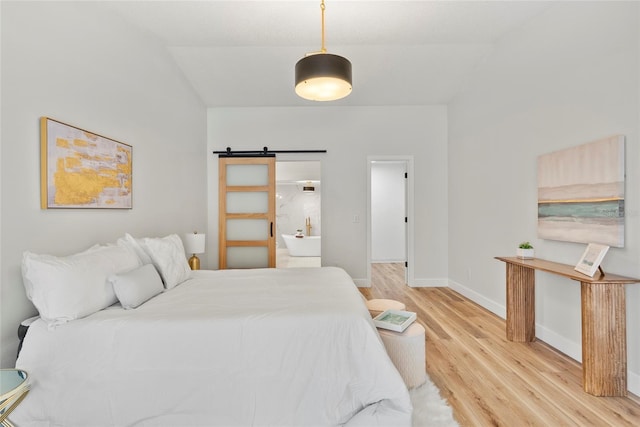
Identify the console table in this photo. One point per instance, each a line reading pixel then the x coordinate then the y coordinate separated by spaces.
pixel 604 336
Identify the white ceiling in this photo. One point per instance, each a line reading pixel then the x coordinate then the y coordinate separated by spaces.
pixel 243 53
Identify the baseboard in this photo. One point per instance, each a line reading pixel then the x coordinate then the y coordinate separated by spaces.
pixel 560 343
pixel 633 383
pixel 362 283
pixel 417 283
pixel 492 306
pixel 430 283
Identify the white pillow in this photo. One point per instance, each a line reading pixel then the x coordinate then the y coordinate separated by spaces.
pixel 136 246
pixel 68 288
pixel 167 254
pixel 137 286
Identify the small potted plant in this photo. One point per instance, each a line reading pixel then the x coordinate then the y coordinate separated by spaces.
pixel 525 250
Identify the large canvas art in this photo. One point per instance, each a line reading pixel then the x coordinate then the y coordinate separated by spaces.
pixel 81 169
pixel 581 193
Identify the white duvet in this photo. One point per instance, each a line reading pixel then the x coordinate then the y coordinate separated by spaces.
pixel 268 347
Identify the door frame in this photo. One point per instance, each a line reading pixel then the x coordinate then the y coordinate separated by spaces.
pixel 408 159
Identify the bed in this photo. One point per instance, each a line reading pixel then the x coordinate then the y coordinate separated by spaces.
pixel 278 347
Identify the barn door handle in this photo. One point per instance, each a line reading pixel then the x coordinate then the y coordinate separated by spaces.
pixel 271 229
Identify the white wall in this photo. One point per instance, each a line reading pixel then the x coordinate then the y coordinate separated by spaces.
pixel 569 77
pixel 388 234
pixel 74 62
pixel 353 134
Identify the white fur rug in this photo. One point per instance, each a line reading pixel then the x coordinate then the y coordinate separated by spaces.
pixel 429 409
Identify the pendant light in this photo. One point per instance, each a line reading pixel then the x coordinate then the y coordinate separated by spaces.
pixel 308 187
pixel 321 76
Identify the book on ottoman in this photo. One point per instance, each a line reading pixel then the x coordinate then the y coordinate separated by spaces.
pixel 394 320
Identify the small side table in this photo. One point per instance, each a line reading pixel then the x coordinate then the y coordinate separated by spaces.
pixel 13 388
pixel 407 352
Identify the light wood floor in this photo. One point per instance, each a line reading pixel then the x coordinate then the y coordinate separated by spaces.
pixel 490 381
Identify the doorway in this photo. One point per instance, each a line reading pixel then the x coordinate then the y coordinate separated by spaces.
pixel 298 214
pixel 390 215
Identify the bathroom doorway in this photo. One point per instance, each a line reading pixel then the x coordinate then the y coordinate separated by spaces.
pixel 298 214
pixel 390 214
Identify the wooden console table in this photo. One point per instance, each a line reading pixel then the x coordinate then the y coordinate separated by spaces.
pixel 604 336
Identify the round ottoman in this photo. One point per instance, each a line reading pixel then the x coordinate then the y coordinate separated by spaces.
pixel 377 306
pixel 407 352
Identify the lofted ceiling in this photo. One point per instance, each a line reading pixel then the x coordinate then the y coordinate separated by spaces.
pixel 243 53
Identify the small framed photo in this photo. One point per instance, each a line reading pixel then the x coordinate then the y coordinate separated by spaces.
pixel 591 259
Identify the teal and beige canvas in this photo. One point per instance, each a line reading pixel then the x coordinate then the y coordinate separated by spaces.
pixel 581 193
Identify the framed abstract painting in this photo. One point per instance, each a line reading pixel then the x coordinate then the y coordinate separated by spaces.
pixel 581 193
pixel 81 169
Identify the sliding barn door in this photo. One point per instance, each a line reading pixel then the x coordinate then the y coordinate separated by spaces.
pixel 247 212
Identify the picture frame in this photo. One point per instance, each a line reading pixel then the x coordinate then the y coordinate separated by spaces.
pixel 82 169
pixel 394 320
pixel 591 259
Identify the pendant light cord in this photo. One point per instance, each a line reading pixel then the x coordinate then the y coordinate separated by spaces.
pixel 322 49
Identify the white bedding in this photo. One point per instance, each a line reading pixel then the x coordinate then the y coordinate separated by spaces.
pixel 277 347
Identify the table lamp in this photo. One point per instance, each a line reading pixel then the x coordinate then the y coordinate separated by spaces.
pixel 194 244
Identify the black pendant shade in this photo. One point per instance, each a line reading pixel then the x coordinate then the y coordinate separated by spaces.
pixel 323 77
